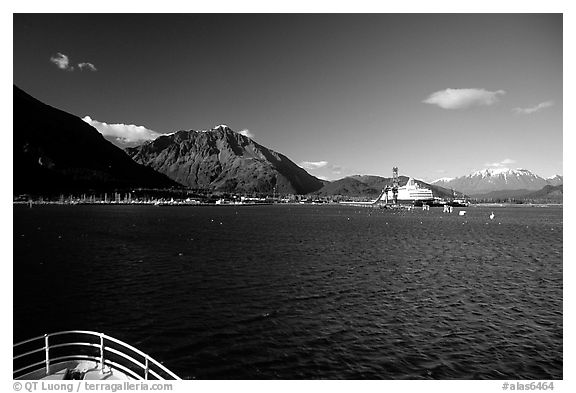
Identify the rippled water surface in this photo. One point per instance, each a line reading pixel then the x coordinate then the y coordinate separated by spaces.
pixel 298 292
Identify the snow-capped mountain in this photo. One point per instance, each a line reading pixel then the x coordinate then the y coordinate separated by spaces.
pixel 555 180
pixel 443 180
pixel 498 179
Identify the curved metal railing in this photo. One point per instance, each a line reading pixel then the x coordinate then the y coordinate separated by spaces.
pixel 105 355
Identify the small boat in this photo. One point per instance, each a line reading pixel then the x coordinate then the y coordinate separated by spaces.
pixel 459 203
pixel 84 355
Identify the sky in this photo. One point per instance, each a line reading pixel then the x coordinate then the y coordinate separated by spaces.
pixel 438 95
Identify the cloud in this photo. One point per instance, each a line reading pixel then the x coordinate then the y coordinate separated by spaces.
pixel 504 162
pixel 463 98
pixel 539 107
pixel 246 132
pixel 87 66
pixel 310 165
pixel 336 169
pixel 127 133
pixel 62 62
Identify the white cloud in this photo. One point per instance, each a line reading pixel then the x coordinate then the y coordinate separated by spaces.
pixel 247 133
pixel 88 66
pixel 463 98
pixel 313 164
pixel 540 106
pixel 62 61
pixel 504 162
pixel 126 132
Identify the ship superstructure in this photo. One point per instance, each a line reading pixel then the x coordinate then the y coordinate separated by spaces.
pixel 411 192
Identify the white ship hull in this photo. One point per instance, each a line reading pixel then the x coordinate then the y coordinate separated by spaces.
pixel 411 192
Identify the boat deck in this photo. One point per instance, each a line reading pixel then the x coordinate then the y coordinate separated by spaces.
pixel 79 370
pixel 83 355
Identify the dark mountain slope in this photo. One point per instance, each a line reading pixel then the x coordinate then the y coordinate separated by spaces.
pixel 55 151
pixel 555 193
pixel 348 186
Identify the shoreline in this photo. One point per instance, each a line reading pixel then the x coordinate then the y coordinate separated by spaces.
pixel 184 203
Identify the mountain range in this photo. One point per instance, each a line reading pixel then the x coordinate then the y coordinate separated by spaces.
pixel 486 181
pixel 55 151
pixel 223 160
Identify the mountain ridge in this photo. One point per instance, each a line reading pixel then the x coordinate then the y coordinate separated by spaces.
pixel 221 159
pixel 489 180
pixel 55 151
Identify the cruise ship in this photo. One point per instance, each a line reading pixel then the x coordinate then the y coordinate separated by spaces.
pixel 411 193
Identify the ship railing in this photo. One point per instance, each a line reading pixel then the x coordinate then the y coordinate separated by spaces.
pixel 97 347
